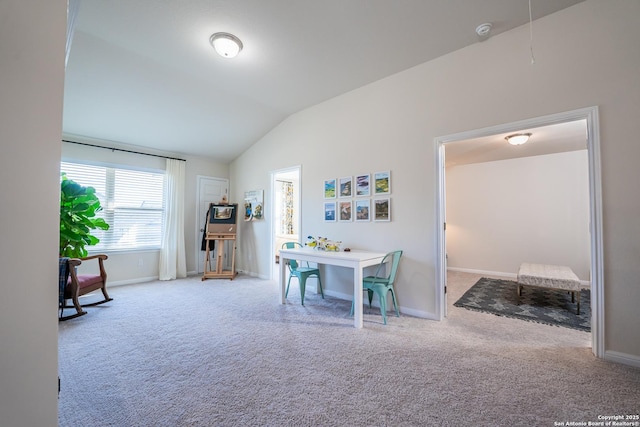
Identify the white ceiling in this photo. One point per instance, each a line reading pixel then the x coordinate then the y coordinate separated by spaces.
pixel 551 139
pixel 143 73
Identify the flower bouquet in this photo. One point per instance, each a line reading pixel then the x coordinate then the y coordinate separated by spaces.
pixel 323 244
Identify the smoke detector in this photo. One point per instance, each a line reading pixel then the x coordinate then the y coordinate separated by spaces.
pixel 483 29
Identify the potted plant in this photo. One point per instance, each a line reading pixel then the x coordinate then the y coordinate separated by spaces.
pixel 78 208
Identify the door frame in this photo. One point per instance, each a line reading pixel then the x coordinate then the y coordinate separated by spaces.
pixel 591 115
pixel 298 207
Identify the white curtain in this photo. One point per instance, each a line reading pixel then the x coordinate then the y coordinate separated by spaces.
pixel 173 262
pixel 72 12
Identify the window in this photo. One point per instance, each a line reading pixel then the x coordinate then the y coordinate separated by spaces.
pixel 132 204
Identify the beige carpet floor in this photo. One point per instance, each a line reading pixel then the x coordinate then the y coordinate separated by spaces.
pixel 226 353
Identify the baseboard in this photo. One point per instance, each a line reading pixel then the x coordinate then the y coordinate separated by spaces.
pixel 484 272
pixel 338 295
pixel 252 274
pixel 585 283
pixel 112 283
pixel 622 358
pixel 403 310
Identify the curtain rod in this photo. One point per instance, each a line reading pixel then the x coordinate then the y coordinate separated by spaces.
pixel 120 149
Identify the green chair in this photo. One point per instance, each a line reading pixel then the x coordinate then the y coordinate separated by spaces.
pixel 301 272
pixel 382 285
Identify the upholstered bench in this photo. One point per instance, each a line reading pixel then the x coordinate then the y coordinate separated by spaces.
pixel 550 276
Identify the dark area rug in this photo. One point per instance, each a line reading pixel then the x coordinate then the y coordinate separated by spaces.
pixel 551 307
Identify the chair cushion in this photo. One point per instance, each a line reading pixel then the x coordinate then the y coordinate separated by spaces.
pixel 85 280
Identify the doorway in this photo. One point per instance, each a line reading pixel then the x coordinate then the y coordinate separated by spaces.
pixel 590 115
pixel 285 212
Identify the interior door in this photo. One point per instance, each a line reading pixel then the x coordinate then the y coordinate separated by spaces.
pixel 210 190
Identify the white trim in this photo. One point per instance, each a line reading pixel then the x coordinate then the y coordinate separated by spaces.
pixel 441 241
pixel 595 206
pixel 590 114
pixel 252 274
pixel 623 358
pixel 131 281
pixel 298 207
pixel 403 310
pixel 585 283
pixel 484 272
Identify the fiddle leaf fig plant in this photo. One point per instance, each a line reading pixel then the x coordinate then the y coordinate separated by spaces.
pixel 78 207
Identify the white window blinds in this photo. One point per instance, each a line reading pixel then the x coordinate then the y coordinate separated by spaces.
pixel 132 204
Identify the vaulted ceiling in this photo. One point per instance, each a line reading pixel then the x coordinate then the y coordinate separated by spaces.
pixel 143 72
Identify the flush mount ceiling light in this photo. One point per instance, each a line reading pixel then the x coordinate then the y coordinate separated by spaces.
pixel 227 45
pixel 517 138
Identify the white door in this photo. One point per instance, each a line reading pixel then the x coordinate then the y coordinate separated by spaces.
pixel 210 190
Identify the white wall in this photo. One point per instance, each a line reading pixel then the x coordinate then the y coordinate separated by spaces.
pixel 128 267
pixel 586 55
pixel 533 209
pixel 32 48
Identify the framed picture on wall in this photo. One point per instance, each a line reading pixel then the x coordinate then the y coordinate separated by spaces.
pixel 345 186
pixel 382 209
pixel 363 207
pixel 363 185
pixel 382 182
pixel 330 211
pixel 345 211
pixel 329 188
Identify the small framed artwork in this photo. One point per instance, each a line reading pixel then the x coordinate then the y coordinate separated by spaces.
pixel 346 186
pixel 345 211
pixel 382 209
pixel 253 205
pixel 363 183
pixel 330 211
pixel 382 182
pixel 329 188
pixel 362 209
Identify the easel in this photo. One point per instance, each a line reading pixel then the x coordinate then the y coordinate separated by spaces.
pixel 219 272
pixel 220 233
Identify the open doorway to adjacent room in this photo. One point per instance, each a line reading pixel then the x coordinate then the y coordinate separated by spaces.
pixel 285 212
pixel 571 137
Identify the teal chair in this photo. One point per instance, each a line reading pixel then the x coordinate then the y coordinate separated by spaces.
pixel 382 285
pixel 301 272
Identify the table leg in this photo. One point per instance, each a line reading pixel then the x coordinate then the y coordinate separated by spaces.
pixel 357 297
pixel 283 276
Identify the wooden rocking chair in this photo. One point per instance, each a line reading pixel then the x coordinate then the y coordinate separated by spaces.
pixel 81 284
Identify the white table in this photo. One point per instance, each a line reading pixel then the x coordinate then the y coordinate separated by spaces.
pixel 355 259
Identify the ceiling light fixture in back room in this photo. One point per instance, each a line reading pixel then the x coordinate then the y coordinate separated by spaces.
pixel 227 45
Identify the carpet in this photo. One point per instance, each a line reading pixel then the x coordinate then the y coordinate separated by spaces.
pixel 539 305
pixel 188 353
